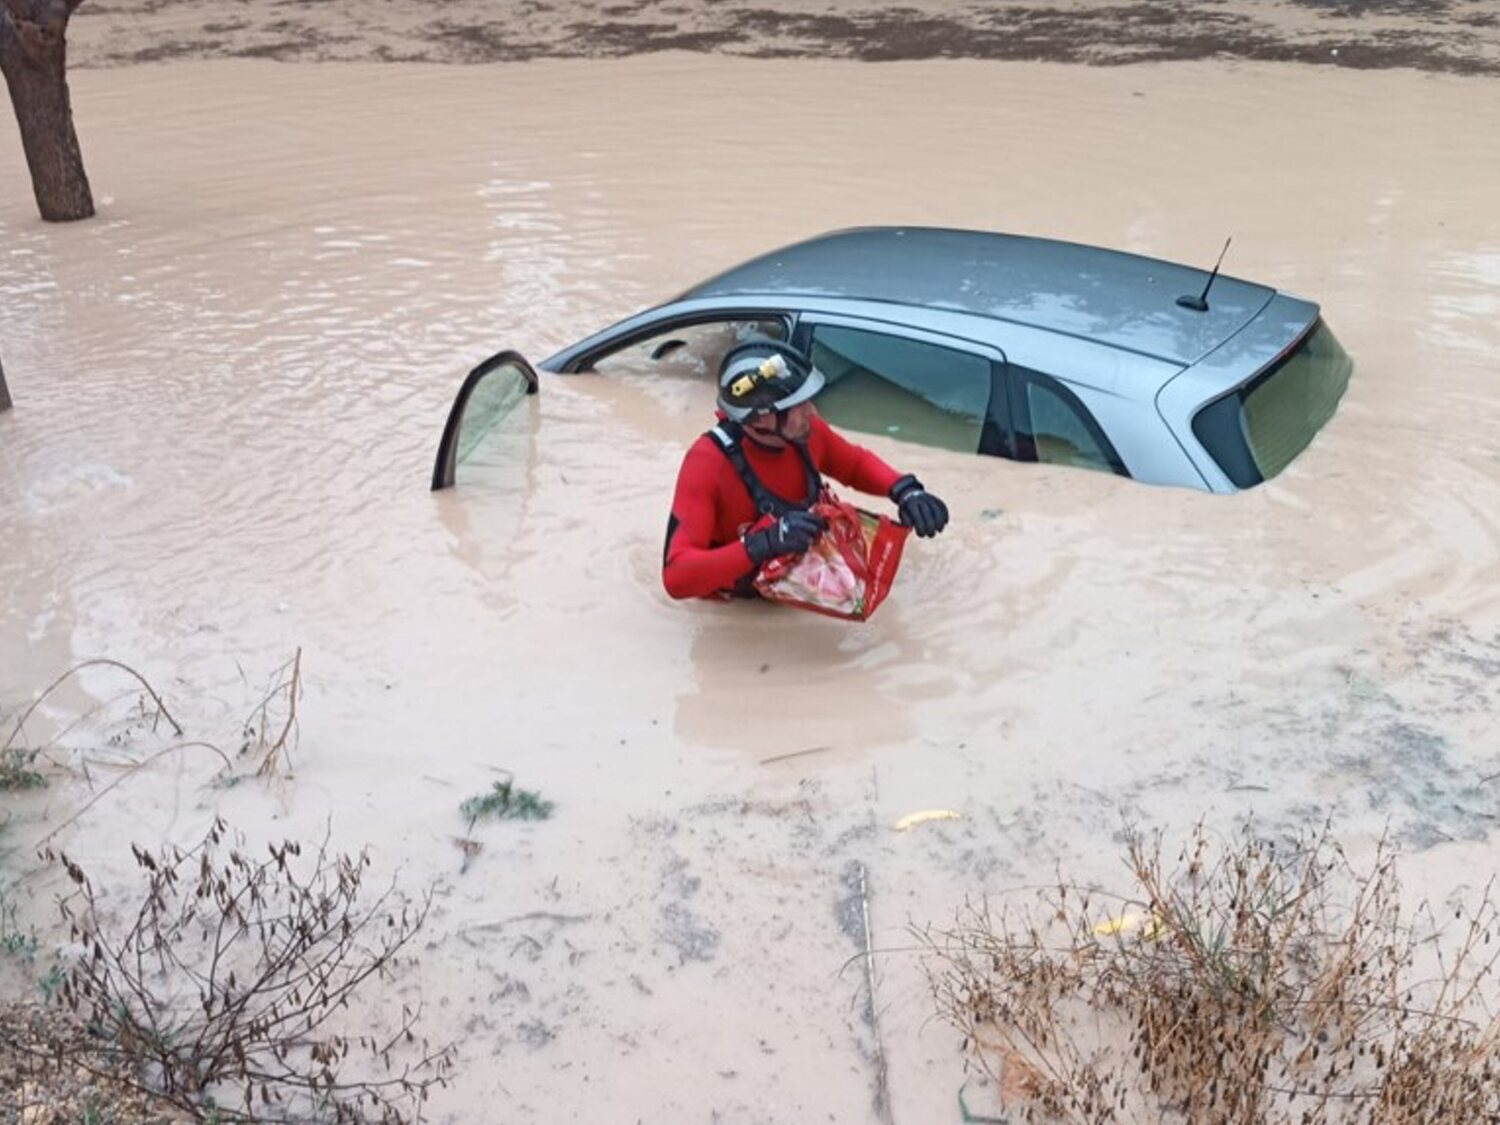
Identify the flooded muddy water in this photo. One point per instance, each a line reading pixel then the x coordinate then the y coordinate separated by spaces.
pixel 229 387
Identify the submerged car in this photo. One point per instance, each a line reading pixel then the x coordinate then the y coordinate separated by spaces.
pixel 1011 346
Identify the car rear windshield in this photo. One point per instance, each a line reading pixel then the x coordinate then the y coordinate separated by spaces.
pixel 1257 429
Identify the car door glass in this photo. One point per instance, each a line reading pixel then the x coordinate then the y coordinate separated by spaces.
pixel 487 398
pixel 1062 433
pixel 494 398
pixel 910 389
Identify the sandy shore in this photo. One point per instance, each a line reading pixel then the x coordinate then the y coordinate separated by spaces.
pixel 1459 36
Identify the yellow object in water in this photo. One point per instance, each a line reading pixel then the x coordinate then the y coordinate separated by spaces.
pixel 1127 922
pixel 1117 925
pixel 911 820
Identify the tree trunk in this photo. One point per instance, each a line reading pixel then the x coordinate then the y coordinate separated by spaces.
pixel 33 55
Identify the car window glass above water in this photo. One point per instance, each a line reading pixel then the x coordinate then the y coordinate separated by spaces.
pixel 495 396
pixel 1256 431
pixel 1284 412
pixel 486 419
pixel 906 388
pixel 1062 433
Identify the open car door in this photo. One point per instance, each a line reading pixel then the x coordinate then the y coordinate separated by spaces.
pixel 491 391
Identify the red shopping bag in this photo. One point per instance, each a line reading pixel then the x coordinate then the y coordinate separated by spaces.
pixel 849 570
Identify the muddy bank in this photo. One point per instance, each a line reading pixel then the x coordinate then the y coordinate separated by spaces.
pixel 1457 36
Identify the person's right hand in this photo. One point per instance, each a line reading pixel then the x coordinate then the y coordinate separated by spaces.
pixel 792 534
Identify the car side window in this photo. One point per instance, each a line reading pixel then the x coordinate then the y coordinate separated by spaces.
pixel 1055 427
pixel 910 389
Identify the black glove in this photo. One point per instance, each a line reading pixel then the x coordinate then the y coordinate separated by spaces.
pixel 792 534
pixel 921 511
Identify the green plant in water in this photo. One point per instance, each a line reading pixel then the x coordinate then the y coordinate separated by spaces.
pixel 16 771
pixel 18 944
pixel 14 940
pixel 51 984
pixel 508 802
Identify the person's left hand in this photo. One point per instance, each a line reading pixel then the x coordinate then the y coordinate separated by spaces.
pixel 920 510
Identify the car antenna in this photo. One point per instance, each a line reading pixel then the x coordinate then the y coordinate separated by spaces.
pixel 1200 302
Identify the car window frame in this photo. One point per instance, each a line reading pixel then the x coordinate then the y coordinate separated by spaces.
pixel 1023 433
pixel 585 361
pixel 995 435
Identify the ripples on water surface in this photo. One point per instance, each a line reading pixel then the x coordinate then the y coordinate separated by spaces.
pixel 231 383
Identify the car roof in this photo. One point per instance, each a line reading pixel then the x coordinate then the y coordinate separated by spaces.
pixel 1124 300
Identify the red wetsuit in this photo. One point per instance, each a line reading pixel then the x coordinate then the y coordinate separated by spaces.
pixel 704 555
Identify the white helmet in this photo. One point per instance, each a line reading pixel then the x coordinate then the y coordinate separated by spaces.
pixel 759 377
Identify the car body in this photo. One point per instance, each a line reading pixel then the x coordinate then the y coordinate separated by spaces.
pixel 1011 346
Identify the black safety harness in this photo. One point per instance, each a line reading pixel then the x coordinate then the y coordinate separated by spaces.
pixel 729 437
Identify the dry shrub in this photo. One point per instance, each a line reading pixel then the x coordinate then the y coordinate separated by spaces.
pixel 1246 984
pixel 224 991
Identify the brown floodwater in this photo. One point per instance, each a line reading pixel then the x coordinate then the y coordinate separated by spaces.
pixel 229 387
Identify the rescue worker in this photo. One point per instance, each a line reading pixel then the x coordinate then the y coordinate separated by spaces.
pixel 766 457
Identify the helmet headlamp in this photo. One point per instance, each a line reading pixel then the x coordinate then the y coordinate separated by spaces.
pixel 773 367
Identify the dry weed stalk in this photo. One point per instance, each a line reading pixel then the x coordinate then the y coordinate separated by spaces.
pixel 227 984
pixel 161 707
pixel 130 771
pixel 257 740
pixel 1245 985
pixel 17 759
